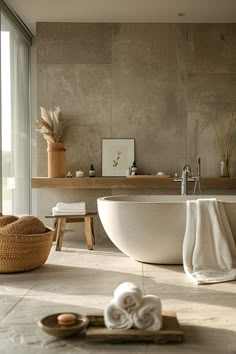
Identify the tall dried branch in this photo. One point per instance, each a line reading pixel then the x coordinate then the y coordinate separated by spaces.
pixel 225 135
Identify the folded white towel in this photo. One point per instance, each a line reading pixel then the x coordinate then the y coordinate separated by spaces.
pixel 128 296
pixel 209 250
pixel 116 317
pixel 71 206
pixel 148 316
pixel 58 212
pixel 69 211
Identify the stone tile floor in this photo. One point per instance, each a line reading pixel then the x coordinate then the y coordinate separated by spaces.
pixel 83 281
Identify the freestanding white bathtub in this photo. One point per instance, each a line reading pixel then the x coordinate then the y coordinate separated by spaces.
pixel 150 228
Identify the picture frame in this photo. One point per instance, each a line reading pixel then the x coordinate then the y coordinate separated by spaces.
pixel 117 156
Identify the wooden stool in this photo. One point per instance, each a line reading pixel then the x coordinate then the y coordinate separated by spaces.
pixel 61 220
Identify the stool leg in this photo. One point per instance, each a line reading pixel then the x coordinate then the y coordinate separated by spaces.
pixel 57 232
pixel 54 226
pixel 60 233
pixel 92 228
pixel 88 232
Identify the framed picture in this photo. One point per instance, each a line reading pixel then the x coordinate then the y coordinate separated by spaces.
pixel 117 156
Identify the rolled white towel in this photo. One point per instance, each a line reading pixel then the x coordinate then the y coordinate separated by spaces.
pixel 148 316
pixel 116 317
pixel 128 296
pixel 71 206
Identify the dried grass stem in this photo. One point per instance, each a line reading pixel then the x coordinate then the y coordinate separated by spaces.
pixel 51 125
pixel 225 141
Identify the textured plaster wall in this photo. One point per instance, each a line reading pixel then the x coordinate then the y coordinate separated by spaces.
pixel 158 83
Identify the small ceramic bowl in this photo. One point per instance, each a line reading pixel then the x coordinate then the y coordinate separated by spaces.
pixel 50 325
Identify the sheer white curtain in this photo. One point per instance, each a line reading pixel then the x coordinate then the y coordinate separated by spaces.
pixel 15 121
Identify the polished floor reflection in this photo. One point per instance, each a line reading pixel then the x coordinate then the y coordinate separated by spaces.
pixel 83 281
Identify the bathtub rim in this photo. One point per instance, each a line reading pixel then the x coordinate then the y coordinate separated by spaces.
pixel 168 198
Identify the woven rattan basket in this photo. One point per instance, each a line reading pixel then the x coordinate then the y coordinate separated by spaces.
pixel 19 253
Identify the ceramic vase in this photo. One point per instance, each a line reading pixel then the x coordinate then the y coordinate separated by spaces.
pixel 56 159
pixel 225 167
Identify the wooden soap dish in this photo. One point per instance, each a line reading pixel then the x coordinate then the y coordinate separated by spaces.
pixel 50 325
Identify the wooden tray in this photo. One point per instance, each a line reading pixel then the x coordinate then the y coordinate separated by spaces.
pixel 171 332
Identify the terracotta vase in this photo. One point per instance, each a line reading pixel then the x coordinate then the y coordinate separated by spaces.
pixel 56 160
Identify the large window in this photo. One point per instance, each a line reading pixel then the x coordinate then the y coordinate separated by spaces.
pixel 15 121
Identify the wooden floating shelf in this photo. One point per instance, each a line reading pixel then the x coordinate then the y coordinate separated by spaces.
pixel 128 183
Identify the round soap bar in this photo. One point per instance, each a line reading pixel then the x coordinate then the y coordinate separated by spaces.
pixel 66 319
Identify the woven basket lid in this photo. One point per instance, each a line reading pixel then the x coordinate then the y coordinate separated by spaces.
pixel 25 225
pixel 7 219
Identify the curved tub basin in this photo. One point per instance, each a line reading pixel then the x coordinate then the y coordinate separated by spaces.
pixel 150 228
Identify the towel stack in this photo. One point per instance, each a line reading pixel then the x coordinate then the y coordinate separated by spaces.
pixel 70 209
pixel 130 308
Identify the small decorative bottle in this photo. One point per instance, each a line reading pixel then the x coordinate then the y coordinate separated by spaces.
pixel 91 171
pixel 134 169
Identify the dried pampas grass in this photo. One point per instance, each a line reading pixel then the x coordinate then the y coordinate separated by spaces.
pixel 51 125
pixel 225 137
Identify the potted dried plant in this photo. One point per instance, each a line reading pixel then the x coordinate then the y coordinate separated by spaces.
pixel 52 127
pixel 225 138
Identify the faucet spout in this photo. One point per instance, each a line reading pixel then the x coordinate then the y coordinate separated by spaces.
pixel 187 168
pixel 184 183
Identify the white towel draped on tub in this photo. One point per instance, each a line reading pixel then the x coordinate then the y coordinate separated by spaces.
pixel 148 316
pixel 128 296
pixel 209 250
pixel 117 317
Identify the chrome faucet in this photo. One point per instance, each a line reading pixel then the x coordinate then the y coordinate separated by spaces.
pixel 186 172
pixel 184 180
pixel 187 177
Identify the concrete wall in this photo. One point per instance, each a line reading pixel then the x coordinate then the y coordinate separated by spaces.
pixel 158 83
